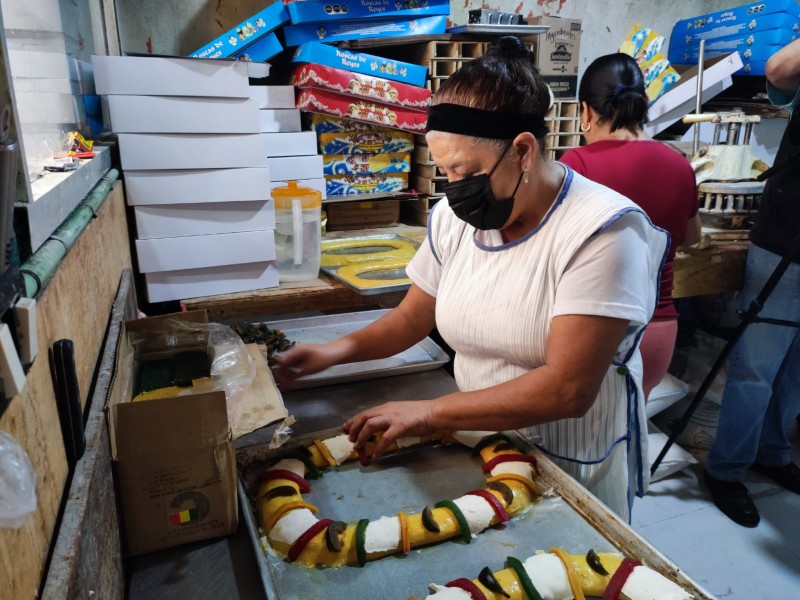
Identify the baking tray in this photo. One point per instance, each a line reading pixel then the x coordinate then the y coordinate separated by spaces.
pixel 497 29
pixel 425 355
pixel 569 517
pixel 383 289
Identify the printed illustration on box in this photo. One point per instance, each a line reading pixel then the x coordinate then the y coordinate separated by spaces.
pixel 359 62
pixel 344 82
pixel 365 142
pixel 245 33
pixel 644 45
pixel 340 31
pixel 362 110
pixel 343 164
pixel 316 11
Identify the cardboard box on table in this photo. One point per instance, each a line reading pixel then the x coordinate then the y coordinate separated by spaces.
pixel 245 33
pixel 300 143
pixel 193 186
pixel 180 114
pixel 170 76
pixel 360 62
pixel 557 54
pixel 303 11
pixel 296 167
pixel 147 152
pixel 729 21
pixel 174 457
pixel 340 31
pixel 177 220
pixel 273 96
pixel 279 120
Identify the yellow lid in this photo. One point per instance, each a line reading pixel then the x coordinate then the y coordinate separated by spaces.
pixel 284 195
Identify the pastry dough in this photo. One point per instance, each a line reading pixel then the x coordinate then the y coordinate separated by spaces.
pixel 393 249
pixel 352 273
pixel 465 516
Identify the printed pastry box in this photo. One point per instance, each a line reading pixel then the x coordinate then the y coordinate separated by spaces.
pixel 362 110
pixel 365 142
pixel 557 53
pixel 345 185
pixel 261 50
pixel 343 164
pixel 340 31
pixel 305 11
pixel 360 214
pixel 320 123
pixel 729 20
pixel 771 37
pixel 359 62
pixel 364 86
pixel 246 32
pixel 743 28
pixel 690 55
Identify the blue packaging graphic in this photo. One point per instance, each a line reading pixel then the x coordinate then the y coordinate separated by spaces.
pixel 359 62
pixel 689 56
pixel 236 39
pixel 316 11
pixel 746 13
pixel 340 31
pixel 754 42
pixel 261 50
pixel 739 28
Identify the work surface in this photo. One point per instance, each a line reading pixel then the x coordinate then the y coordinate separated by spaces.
pixel 227 568
pixel 712 270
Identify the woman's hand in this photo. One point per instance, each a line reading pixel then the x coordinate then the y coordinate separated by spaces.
pixel 393 420
pixel 303 359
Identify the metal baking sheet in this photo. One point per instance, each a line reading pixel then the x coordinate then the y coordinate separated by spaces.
pixel 383 289
pixel 569 518
pixel 496 29
pixel 425 355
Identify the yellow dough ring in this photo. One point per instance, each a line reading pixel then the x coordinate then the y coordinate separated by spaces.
pixel 394 249
pixel 316 552
pixel 352 273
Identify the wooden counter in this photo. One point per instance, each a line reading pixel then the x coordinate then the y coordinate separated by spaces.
pixel 718 268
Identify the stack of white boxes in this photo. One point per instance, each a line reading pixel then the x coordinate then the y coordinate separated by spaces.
pixel 292 153
pixel 196 171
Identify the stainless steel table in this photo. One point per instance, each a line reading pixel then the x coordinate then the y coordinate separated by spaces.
pixel 226 568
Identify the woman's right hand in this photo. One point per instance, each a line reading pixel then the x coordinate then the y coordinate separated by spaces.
pixel 303 359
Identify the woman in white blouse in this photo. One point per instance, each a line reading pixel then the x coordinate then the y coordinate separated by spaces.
pixel 540 280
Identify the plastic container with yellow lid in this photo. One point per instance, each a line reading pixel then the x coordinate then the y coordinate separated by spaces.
pixel 298 236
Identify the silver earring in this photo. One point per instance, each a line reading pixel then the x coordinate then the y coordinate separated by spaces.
pixel 585 127
pixel 525 177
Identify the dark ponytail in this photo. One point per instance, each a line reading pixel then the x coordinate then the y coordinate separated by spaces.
pixel 613 85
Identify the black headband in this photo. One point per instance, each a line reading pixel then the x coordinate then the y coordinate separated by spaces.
pixel 455 118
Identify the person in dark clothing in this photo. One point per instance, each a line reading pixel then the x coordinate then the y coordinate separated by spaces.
pixel 762 397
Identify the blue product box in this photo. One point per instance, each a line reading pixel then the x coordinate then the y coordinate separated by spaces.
pixel 316 11
pixel 340 31
pixel 262 49
pixel 245 33
pixel 752 67
pixel 746 14
pixel 689 55
pixel 358 62
pixel 763 39
pixel 738 28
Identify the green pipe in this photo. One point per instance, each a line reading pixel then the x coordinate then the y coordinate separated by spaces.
pixel 40 266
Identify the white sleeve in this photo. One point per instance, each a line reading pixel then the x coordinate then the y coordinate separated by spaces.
pixel 614 274
pixel 424 270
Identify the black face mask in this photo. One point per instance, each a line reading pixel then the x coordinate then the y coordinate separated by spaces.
pixel 473 201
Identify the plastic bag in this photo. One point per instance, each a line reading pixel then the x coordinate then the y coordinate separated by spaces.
pixel 231 369
pixel 17 483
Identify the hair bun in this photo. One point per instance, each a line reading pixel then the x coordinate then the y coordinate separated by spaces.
pixel 508 46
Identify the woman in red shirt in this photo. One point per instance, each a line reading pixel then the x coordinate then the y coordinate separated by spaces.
pixel 620 155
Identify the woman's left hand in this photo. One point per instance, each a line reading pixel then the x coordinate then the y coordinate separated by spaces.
pixel 392 420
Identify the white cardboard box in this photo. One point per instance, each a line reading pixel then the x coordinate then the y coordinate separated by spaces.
pixel 681 99
pixel 175 220
pixel 177 285
pixel 182 114
pixel 193 186
pixel 315 184
pixel 149 151
pixel 275 120
pixel 285 168
pixel 299 143
pixel 273 96
pixel 199 251
pixel 170 76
